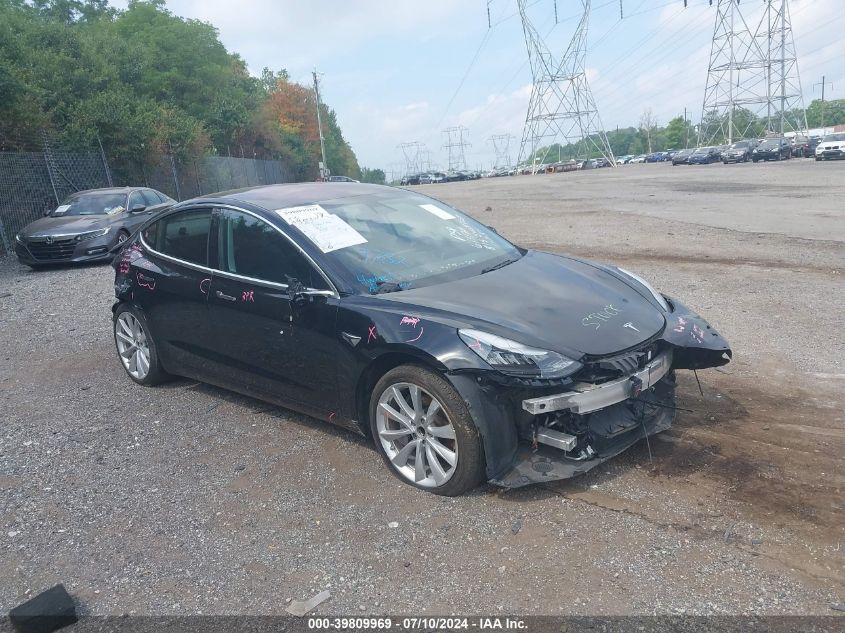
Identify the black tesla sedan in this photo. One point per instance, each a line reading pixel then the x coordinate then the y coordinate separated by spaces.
pixel 465 357
pixel 87 225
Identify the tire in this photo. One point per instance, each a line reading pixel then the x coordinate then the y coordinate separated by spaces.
pixel 122 236
pixel 130 352
pixel 451 428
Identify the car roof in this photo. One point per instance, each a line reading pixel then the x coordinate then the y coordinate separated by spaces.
pixel 279 196
pixel 107 190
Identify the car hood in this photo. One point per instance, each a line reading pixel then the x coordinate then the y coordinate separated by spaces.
pixel 543 300
pixel 69 225
pixel 830 144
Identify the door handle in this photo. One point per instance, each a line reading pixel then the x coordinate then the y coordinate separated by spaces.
pixel 222 295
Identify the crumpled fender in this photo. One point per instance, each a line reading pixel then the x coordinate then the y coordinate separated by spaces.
pixel 696 343
pixel 490 412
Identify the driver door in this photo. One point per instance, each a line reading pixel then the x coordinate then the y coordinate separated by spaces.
pixel 271 341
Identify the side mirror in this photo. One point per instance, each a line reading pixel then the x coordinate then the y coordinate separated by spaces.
pixel 493 228
pixel 295 289
pixel 138 208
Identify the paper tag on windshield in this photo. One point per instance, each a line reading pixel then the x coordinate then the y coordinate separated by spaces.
pixel 329 232
pixel 435 210
pixel 61 209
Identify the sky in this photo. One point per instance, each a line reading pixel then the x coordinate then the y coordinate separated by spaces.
pixel 403 71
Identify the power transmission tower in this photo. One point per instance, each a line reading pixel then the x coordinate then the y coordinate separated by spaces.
pixel 561 109
pixel 413 153
pixel 455 145
pixel 753 86
pixel 501 145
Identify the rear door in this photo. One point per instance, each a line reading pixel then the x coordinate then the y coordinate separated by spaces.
pixel 270 341
pixel 171 285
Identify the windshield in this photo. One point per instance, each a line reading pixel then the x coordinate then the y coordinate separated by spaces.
pixel 833 137
pixel 770 143
pixel 91 204
pixel 702 150
pixel 398 239
pixel 740 145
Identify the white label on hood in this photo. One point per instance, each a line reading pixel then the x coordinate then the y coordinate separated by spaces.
pixel 435 210
pixel 329 232
pixel 62 209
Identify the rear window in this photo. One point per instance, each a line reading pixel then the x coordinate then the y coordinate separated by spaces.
pixel 183 235
pixel 152 198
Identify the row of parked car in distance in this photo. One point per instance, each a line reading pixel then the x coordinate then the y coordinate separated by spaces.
pixel 431 177
pixel 831 146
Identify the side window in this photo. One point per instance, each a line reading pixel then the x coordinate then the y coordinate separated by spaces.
pixel 182 235
pixel 150 198
pixel 136 198
pixel 251 247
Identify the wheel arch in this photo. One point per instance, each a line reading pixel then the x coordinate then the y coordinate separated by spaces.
pixel 377 368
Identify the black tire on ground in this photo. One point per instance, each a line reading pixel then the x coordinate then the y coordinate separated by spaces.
pixel 818 158
pixel 470 469
pixel 156 375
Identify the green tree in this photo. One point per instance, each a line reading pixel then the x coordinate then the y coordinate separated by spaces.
pixel 374 176
pixel 826 114
pixel 679 133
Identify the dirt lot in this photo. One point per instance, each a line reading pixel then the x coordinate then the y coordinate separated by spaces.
pixel 188 498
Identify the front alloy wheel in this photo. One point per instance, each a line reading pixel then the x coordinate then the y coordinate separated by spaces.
pixel 424 431
pixel 417 435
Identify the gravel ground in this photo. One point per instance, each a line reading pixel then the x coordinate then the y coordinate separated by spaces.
pixel 190 499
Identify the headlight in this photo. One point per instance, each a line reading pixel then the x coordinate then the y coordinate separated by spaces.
pixel 657 296
pixel 90 235
pixel 517 359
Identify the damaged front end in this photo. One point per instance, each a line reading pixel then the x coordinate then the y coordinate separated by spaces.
pixel 610 403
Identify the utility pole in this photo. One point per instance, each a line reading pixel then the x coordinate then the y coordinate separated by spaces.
pixel 822 84
pixel 324 170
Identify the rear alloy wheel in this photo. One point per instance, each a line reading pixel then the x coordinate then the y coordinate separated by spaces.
pixel 136 348
pixel 425 433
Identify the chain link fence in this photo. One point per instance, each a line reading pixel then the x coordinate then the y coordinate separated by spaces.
pixel 33 182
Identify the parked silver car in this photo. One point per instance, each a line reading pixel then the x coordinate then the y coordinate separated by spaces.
pixel 87 225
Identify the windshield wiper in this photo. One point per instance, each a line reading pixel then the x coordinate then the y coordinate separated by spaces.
pixel 383 286
pixel 498 266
